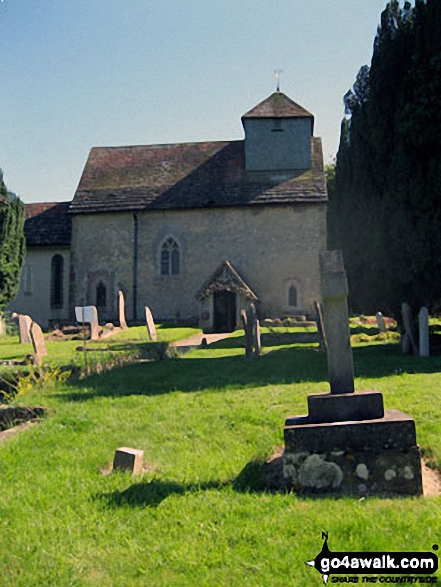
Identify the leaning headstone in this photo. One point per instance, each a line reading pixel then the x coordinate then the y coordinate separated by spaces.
pixel 380 322
pixel 38 342
pixel 89 314
pixel 24 326
pixel 336 321
pixel 348 443
pixel 320 326
pixel 128 459
pixel 409 344
pixel 423 319
pixel 151 328
pixel 121 310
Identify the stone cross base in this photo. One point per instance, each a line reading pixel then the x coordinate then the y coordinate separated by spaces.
pixel 364 457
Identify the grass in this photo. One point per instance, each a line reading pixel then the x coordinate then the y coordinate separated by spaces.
pixel 196 517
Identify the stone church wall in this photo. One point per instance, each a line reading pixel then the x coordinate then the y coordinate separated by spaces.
pixel 272 248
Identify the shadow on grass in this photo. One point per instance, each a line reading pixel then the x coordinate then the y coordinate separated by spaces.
pixel 195 374
pixel 152 493
pixel 282 366
pixel 257 476
pixel 253 478
pixel 267 340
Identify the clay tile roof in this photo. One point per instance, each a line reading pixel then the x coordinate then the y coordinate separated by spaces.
pixel 277 106
pixel 189 175
pixel 47 224
pixel 226 278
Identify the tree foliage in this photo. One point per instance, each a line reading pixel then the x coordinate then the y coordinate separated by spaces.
pixel 385 210
pixel 12 243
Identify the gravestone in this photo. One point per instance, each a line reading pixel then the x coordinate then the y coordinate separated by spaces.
pixel 151 328
pixel 121 310
pixel 320 326
pixel 128 459
pixel 408 343
pixel 380 322
pixel 336 322
pixel 257 342
pixel 37 342
pixel 24 326
pixel 347 443
pixel 423 319
pixel 89 314
pixel 248 335
pixel 252 332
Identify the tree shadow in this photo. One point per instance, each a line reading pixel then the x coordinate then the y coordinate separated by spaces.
pixel 196 374
pixel 281 366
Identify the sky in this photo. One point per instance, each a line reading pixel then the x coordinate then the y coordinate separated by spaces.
pixel 76 74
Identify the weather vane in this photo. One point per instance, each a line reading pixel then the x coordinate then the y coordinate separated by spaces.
pixel 277 73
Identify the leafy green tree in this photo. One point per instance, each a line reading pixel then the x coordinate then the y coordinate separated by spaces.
pixel 12 243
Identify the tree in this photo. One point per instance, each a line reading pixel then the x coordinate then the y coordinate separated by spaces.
pixel 386 208
pixel 12 243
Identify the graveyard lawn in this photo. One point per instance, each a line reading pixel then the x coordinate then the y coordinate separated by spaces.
pixel 198 515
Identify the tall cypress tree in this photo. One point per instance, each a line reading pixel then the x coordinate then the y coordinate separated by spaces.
pixel 387 205
pixel 12 243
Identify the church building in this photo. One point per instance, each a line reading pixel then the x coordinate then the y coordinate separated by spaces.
pixel 195 231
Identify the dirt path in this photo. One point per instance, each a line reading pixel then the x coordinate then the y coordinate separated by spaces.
pixel 196 339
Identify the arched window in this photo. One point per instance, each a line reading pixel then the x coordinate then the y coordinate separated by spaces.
pixel 57 270
pixel 101 295
pixel 170 258
pixel 292 296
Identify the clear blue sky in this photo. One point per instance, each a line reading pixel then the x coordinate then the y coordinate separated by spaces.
pixel 81 73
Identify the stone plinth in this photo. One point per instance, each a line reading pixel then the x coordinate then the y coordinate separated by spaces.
pixel 332 407
pixel 356 457
pixel 128 459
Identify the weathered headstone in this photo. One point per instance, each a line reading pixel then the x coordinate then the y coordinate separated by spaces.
pixel 89 314
pixel 409 344
pixel 257 342
pixel 336 320
pixel 347 443
pixel 24 326
pixel 151 328
pixel 252 332
pixel 37 342
pixel 320 326
pixel 248 335
pixel 128 459
pixel 380 322
pixel 423 318
pixel 121 310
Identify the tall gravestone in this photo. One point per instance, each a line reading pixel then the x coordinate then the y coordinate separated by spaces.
pixel 89 315
pixel 423 319
pixel 380 322
pixel 251 327
pixel 320 326
pixel 37 342
pixel 121 310
pixel 150 323
pixel 409 345
pixel 347 443
pixel 24 327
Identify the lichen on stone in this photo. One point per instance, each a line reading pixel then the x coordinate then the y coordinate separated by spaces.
pixel 320 474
